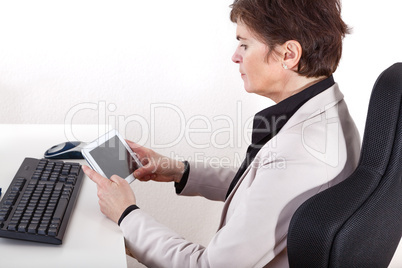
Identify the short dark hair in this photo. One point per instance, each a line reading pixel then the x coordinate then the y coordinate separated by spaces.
pixel 316 24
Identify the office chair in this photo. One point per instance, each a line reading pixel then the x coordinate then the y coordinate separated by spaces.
pixel 358 222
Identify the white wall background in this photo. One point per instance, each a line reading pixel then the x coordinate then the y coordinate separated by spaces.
pixel 157 70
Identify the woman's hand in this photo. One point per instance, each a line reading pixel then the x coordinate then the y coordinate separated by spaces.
pixel 115 195
pixel 155 166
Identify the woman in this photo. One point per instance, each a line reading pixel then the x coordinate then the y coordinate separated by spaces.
pixel 304 144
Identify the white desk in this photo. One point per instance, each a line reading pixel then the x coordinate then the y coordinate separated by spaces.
pixel 91 240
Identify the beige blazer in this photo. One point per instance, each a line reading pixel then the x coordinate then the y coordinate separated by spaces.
pixel 318 147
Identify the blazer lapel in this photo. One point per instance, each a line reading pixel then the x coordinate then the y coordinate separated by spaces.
pixel 230 197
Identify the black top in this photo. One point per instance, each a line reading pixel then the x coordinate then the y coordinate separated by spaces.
pixel 267 123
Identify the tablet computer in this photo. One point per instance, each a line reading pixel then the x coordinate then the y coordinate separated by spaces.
pixel 110 155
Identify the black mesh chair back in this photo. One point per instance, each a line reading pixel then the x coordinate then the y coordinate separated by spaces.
pixel 358 222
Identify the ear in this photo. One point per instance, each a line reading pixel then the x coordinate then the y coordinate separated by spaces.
pixel 292 52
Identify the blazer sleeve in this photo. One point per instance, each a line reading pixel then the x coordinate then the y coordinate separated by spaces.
pixel 208 181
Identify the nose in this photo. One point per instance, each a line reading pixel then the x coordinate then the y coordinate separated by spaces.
pixel 236 58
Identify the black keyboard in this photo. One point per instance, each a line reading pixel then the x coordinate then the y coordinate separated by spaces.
pixel 40 200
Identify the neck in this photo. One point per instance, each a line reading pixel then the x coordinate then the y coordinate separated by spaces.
pixel 294 85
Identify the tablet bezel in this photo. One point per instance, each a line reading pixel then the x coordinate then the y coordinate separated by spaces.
pixel 101 140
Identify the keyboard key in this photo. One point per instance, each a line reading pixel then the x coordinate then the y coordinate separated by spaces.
pixel 61 208
pixel 74 170
pixel 32 228
pixel 42 230
pixel 71 179
pixel 52 232
pixel 59 186
pixel 12 227
pixel 22 227
pixel 65 170
pixel 33 182
pixel 43 183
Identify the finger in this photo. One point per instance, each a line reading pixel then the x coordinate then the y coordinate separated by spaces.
pixel 144 171
pixel 137 149
pixel 94 176
pixel 145 178
pixel 116 179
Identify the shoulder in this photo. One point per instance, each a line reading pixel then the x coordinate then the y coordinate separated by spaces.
pixel 316 136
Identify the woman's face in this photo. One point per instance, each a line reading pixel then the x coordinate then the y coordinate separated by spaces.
pixel 260 76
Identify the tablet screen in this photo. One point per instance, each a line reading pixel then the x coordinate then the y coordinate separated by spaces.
pixel 113 158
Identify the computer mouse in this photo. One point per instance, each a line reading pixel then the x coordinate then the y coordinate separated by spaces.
pixel 66 150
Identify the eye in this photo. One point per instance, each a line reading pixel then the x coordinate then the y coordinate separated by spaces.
pixel 243 46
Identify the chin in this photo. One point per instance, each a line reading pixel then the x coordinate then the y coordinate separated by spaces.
pixel 249 89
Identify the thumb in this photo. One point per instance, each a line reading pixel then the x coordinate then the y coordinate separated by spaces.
pixel 134 146
pixel 139 150
pixel 144 171
pixel 116 179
